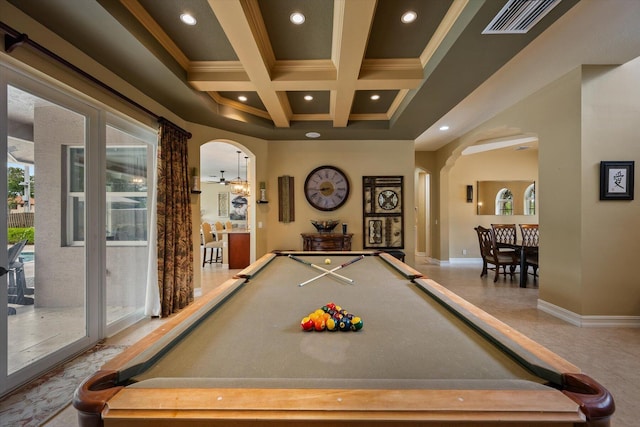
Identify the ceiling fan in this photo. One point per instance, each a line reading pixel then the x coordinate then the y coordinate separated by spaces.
pixel 213 179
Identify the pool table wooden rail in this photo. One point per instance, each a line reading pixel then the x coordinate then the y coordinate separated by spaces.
pixel 103 399
pixel 226 407
pixel 595 401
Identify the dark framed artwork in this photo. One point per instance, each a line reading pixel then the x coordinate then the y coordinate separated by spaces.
pixel 383 212
pixel 616 180
pixel 286 202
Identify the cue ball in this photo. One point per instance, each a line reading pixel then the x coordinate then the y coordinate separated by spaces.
pixel 327 261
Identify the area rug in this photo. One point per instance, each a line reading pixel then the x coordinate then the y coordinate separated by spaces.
pixel 39 400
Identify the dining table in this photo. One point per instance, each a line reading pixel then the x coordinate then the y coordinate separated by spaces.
pixel 522 254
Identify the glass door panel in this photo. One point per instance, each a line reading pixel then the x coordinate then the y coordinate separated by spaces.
pixel 46 280
pixel 129 182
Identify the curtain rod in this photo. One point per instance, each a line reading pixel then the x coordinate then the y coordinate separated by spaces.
pixel 14 39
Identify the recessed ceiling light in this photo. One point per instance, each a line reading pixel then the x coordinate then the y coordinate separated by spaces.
pixel 242 98
pixel 312 135
pixel 443 128
pixel 308 98
pixel 188 19
pixel 297 18
pixel 409 17
pixel 375 97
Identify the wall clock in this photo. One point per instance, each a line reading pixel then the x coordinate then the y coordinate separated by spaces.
pixel 326 188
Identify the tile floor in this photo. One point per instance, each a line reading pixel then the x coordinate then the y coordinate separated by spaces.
pixel 610 355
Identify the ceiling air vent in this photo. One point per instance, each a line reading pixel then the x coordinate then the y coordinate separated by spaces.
pixel 519 16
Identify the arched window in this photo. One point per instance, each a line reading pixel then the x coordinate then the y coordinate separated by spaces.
pixel 504 202
pixel 530 200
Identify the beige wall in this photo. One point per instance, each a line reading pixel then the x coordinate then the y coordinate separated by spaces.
pixel 356 159
pixel 505 164
pixel 610 232
pixel 587 245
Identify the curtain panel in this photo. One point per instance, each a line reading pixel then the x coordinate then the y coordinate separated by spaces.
pixel 175 249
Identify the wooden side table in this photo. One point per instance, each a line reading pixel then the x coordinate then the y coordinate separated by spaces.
pixel 326 241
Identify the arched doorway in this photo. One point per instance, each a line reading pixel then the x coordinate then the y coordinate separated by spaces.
pixel 227 182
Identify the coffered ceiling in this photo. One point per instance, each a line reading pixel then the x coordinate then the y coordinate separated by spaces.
pixel 345 52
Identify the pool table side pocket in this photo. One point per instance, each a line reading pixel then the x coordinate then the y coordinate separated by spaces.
pixel 255 267
pixel 403 268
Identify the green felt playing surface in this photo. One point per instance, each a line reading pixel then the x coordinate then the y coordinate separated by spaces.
pixel 410 339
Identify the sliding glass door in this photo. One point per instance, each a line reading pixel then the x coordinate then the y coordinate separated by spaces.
pixel 74 239
pixel 130 171
pixel 47 297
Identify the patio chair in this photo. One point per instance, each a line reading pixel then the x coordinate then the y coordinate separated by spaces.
pixel 17 288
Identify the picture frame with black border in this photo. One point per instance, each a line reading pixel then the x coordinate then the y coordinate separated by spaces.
pixel 383 212
pixel 616 180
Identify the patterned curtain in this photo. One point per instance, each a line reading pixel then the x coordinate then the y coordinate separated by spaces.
pixel 175 248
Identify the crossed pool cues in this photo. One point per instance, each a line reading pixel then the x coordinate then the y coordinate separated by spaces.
pixel 331 272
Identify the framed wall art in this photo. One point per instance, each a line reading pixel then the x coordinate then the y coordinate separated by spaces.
pixel 223 204
pixel 238 208
pixel 383 219
pixel 286 201
pixel 616 180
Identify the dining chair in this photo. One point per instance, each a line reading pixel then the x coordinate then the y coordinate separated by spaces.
pixel 505 233
pixel 530 241
pixel 491 255
pixel 210 242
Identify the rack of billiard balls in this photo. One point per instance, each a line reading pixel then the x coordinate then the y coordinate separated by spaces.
pixel 331 317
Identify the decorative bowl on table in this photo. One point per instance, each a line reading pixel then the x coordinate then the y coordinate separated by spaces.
pixel 326 226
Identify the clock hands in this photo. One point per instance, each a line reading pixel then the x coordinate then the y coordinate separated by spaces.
pixel 326 188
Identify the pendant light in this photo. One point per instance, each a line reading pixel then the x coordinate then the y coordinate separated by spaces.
pixel 237 183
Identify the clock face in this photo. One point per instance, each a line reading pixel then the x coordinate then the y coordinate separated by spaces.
pixel 326 188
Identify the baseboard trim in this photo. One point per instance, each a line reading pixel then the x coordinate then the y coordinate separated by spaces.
pixel 589 321
pixel 475 261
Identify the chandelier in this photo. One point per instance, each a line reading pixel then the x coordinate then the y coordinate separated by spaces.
pixel 238 185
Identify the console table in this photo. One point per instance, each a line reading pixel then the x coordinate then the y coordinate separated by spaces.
pixel 326 241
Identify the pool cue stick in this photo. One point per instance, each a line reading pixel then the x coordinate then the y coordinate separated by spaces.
pixel 332 271
pixel 324 270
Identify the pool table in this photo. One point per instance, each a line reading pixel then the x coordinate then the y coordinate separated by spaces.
pixel 424 356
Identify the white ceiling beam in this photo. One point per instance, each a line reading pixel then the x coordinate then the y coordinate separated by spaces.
pixel 352 21
pixel 244 27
